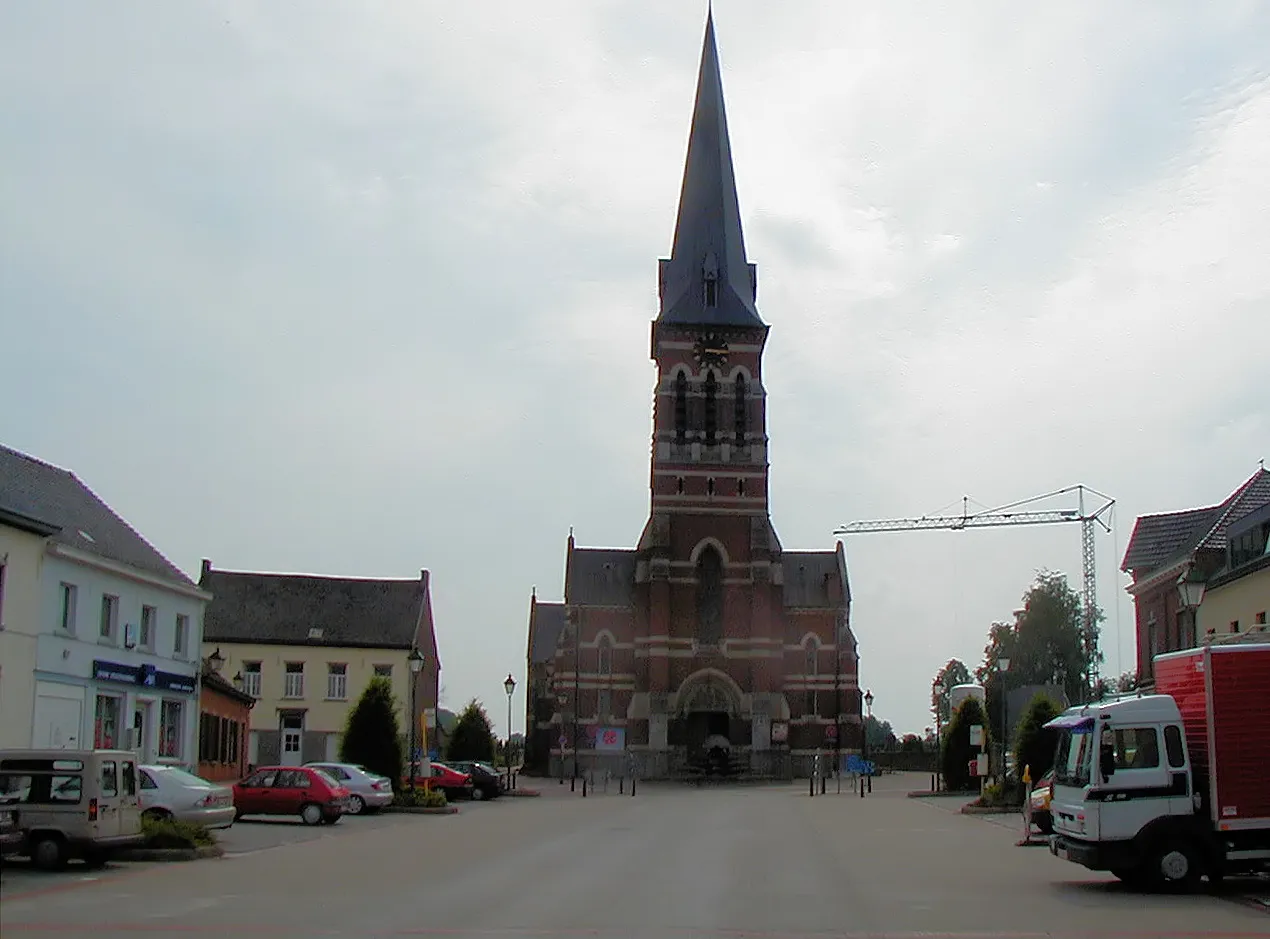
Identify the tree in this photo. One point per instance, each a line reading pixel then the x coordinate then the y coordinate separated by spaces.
pixel 1033 744
pixel 879 734
pixel 957 750
pixel 953 674
pixel 1045 644
pixel 472 738
pixel 372 737
pixel 911 744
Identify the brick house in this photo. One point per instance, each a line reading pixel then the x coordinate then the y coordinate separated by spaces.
pixel 708 634
pixel 224 722
pixel 1171 547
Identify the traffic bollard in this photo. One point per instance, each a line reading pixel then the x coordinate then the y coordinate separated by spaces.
pixel 823 780
pixel 811 785
pixel 621 785
pixel 632 785
pixel 584 787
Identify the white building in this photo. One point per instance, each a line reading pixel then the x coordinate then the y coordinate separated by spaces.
pixel 116 653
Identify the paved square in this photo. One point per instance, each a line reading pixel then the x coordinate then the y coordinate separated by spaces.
pixel 670 862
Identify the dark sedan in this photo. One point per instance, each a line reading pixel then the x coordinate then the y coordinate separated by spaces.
pixel 487 782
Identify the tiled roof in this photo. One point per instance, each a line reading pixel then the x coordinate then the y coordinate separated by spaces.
pixel 285 608
pixel 56 496
pixel 600 577
pixel 1158 540
pixel 809 576
pixel 545 626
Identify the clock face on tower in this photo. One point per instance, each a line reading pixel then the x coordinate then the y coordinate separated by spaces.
pixel 710 349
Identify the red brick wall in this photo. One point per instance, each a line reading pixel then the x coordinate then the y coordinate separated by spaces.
pixel 222 750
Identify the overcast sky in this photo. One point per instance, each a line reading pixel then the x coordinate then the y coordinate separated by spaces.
pixel 365 288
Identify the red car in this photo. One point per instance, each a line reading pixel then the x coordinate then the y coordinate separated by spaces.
pixel 445 779
pixel 291 790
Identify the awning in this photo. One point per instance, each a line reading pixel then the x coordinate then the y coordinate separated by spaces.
pixel 1074 722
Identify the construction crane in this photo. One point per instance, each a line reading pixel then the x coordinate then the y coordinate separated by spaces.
pixel 1010 515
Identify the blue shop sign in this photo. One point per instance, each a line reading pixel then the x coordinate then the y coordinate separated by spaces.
pixel 147 676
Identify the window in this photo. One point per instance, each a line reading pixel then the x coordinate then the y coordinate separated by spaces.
pixel 109 617
pixel 740 487
pixel 109 779
pixel 251 678
pixel 813 657
pixel 739 414
pixel 128 776
pixel 106 722
pixel 604 657
pixel 293 681
pixel 712 408
pixel 181 641
pixel 712 290
pixel 710 486
pixel 337 681
pixel 148 616
pixel 67 595
pixel 679 486
pixel 681 407
pixel 604 704
pixel 147 782
pixel 39 789
pixel 1173 746
pixel 1261 618
pixel 383 671
pixel 709 595
pixel 170 729
pixel 1136 748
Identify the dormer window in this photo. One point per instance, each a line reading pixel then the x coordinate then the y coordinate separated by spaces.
pixel 710 274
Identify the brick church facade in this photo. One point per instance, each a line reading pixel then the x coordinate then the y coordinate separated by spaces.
pixel 707 636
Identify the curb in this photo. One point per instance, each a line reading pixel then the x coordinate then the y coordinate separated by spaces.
pixel 421 809
pixel 941 794
pixel 521 793
pixel 168 854
pixel 991 810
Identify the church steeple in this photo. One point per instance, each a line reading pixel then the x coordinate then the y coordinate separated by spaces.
pixel 707 280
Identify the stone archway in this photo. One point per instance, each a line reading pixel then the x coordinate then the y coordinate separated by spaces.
pixel 707 707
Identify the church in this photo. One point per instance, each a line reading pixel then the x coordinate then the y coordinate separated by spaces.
pixel 708 640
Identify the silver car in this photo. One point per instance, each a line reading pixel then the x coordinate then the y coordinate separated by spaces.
pixel 169 792
pixel 367 791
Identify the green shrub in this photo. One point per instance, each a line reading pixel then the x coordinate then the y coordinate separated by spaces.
pixel 372 737
pixel 995 794
pixel 957 750
pixel 420 798
pixel 1033 744
pixel 169 833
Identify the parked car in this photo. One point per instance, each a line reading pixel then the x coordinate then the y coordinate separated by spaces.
pixel 487 782
pixel 1040 798
pixel 291 790
pixel 72 803
pixel 445 779
pixel 367 791
pixel 169 792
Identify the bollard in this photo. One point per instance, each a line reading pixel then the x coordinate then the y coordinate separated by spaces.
pixel 822 783
pixel 573 784
pixel 860 780
pixel 632 785
pixel 621 785
pixel 870 784
pixel 584 787
pixel 811 788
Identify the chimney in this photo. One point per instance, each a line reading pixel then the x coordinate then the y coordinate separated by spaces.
pixel 207 569
pixel 424 577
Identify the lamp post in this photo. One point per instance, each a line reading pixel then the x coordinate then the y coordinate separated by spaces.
pixel 239 681
pixel 864 741
pixel 415 661
pixel 1003 666
pixel 216 661
pixel 937 689
pixel 1190 592
pixel 510 687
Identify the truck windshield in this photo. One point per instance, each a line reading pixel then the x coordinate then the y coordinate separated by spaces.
pixel 1074 757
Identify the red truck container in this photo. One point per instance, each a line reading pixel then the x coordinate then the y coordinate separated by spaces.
pixel 1223 695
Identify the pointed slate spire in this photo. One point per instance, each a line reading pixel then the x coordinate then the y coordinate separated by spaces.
pixel 707 279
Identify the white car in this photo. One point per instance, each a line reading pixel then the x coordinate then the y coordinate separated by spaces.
pixel 169 792
pixel 366 790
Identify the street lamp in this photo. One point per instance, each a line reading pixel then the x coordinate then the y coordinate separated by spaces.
pixel 510 687
pixel 239 682
pixel 415 661
pixel 1190 592
pixel 1003 665
pixel 937 689
pixel 864 741
pixel 216 661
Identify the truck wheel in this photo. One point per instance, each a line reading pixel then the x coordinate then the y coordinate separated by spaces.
pixel 49 853
pixel 1176 866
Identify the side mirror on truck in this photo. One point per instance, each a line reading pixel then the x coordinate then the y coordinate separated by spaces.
pixel 1106 762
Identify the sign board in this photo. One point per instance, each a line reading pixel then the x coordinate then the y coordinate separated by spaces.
pixel 831 732
pixel 610 739
pixel 780 731
pixel 981 764
pixel 145 675
pixel 976 735
pixel 564 741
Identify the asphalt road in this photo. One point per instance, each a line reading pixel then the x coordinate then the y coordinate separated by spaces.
pixel 669 863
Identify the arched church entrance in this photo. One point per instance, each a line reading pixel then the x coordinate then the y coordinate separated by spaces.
pixel 708 709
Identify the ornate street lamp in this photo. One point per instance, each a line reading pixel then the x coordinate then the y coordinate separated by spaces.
pixel 216 661
pixel 937 689
pixel 1190 593
pixel 239 682
pixel 415 661
pixel 1003 665
pixel 510 687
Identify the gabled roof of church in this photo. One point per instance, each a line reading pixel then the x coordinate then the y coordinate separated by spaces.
pixel 814 580
pixel 708 235
pixel 600 577
pixel 546 622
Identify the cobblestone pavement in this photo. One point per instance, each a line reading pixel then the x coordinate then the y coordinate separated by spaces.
pixel 669 863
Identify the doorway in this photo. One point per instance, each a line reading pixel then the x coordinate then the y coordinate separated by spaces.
pixel 292 739
pixel 141 730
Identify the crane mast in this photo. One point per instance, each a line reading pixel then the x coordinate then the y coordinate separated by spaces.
pixel 1017 513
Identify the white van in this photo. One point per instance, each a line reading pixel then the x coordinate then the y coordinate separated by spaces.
pixel 72 803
